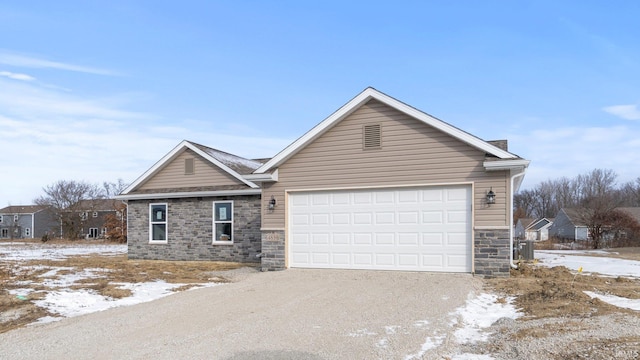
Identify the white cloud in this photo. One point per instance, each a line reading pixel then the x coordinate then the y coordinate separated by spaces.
pixel 49 135
pixel 18 60
pixel 627 112
pixel 16 76
pixel 570 151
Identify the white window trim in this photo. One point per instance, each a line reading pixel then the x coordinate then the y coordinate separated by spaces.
pixel 214 222
pixel 27 232
pixel 1 219
pixel 166 224
pixel 95 214
pixel 16 218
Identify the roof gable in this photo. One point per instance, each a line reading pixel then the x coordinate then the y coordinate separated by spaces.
pixel 234 166
pixel 360 100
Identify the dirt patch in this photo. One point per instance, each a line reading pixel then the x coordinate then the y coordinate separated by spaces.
pixel 548 292
pixel 107 273
pixel 562 322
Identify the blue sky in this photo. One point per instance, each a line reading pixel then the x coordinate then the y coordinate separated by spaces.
pixel 101 90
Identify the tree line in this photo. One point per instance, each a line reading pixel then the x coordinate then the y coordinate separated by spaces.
pixel 596 195
pixel 70 202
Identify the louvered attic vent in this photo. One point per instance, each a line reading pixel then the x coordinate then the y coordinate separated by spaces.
pixel 372 136
pixel 188 166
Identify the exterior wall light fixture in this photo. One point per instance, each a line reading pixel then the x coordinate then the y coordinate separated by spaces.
pixel 272 203
pixel 491 197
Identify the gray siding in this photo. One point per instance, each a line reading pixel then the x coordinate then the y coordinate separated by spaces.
pixel 563 228
pixel 412 153
pixel 190 230
pixel 173 174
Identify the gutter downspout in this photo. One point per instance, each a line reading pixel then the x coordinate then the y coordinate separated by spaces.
pixel 513 177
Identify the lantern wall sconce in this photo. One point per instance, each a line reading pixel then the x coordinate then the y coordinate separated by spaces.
pixel 272 203
pixel 491 197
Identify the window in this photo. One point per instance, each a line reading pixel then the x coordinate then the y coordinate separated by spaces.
pixel 27 232
pixel 95 214
pixel 93 233
pixel 158 223
pixel 0 219
pixel 189 166
pixel 15 218
pixel 223 222
pixel 83 215
pixel 4 233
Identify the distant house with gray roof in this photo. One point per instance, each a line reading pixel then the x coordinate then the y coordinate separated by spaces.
pixel 26 222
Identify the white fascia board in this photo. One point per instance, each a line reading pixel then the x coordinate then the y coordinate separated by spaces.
pixel 176 195
pixel 355 103
pixel 265 177
pixel 175 152
pixel 506 164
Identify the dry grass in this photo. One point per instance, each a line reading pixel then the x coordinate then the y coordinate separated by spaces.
pixel 109 272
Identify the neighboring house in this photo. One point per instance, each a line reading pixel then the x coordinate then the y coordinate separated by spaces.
pixel 567 225
pixel 376 185
pixel 26 222
pixel 93 216
pixel 521 226
pixel 533 229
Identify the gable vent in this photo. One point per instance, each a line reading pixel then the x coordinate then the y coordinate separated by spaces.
pixel 188 166
pixel 372 136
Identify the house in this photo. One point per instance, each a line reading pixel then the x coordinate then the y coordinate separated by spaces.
pixel 376 185
pixel 26 221
pixel 533 229
pixel 93 216
pixel 521 226
pixel 568 225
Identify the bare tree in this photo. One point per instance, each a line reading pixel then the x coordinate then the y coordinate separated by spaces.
pixel 65 197
pixel 111 189
pixel 598 201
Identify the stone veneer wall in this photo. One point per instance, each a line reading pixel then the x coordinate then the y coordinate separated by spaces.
pixel 273 249
pixel 492 256
pixel 190 230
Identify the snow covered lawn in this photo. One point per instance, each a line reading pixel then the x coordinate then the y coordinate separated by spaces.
pixel 30 274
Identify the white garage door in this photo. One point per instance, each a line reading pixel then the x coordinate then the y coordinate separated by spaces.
pixel 416 229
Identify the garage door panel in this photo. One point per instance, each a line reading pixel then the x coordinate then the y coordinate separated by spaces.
pixel 320 219
pixel 362 218
pixel 320 238
pixel 408 239
pixel 432 239
pixel 360 259
pixel 385 239
pixel 385 218
pixel 405 217
pixel 418 229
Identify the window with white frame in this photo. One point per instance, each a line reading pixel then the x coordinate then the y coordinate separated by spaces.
pixel 83 215
pixel 4 233
pixel 0 219
pixel 27 232
pixel 93 233
pixel 95 214
pixel 158 223
pixel 223 222
pixel 15 218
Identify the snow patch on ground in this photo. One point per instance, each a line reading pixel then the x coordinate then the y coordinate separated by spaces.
pixel 633 304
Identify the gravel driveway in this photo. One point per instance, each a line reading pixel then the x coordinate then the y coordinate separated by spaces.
pixel 293 314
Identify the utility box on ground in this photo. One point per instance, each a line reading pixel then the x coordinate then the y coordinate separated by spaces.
pixel 526 250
